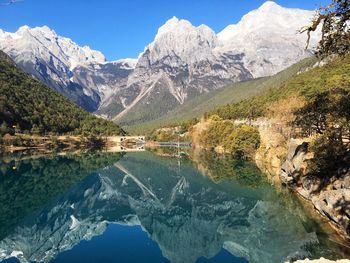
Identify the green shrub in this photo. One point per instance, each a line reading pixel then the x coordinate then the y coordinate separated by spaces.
pixel 243 141
pixel 217 132
pixel 169 135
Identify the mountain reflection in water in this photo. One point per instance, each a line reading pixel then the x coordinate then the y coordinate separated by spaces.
pixel 140 207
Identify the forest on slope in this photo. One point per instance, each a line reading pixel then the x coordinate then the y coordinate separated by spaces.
pixel 303 86
pixel 230 94
pixel 31 107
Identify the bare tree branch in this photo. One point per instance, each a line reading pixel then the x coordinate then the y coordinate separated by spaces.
pixel 312 27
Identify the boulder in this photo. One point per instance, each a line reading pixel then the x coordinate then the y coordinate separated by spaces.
pixel 335 204
pixel 295 165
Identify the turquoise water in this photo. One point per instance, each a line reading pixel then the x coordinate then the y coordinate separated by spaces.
pixel 140 207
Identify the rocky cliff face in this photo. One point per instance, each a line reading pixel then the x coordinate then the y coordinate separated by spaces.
pixel 332 200
pixel 273 148
pixel 286 162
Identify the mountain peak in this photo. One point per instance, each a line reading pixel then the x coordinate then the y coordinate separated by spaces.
pixel 174 25
pixel 45 29
pixel 269 19
pixel 41 30
pixel 269 5
pixel 188 42
pixel 23 28
pixel 173 20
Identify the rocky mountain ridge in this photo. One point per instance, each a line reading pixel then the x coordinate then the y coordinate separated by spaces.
pixel 183 61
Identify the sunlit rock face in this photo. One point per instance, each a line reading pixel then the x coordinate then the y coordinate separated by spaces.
pixel 185 213
pixel 331 201
pixel 182 62
pixel 178 65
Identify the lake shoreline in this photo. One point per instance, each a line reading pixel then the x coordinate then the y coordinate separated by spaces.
pixel 50 144
pixel 327 225
pixel 275 155
pixel 94 185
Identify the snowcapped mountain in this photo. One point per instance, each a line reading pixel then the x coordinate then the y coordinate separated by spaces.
pixel 269 38
pixel 178 65
pixel 52 59
pixel 182 62
pixel 79 73
pixel 41 41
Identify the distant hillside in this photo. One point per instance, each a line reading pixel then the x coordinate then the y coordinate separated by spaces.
pixel 233 93
pixel 335 74
pixel 33 107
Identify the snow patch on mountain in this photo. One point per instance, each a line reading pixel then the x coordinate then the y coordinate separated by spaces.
pixel 181 39
pixel 126 63
pixel 269 38
pixel 44 42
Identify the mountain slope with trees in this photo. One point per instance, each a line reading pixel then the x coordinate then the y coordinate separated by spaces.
pixel 307 84
pixel 32 107
pixel 230 94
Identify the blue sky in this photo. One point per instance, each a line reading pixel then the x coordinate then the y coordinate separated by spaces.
pixel 123 28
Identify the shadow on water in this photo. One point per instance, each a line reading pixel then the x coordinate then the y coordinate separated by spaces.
pixel 98 207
